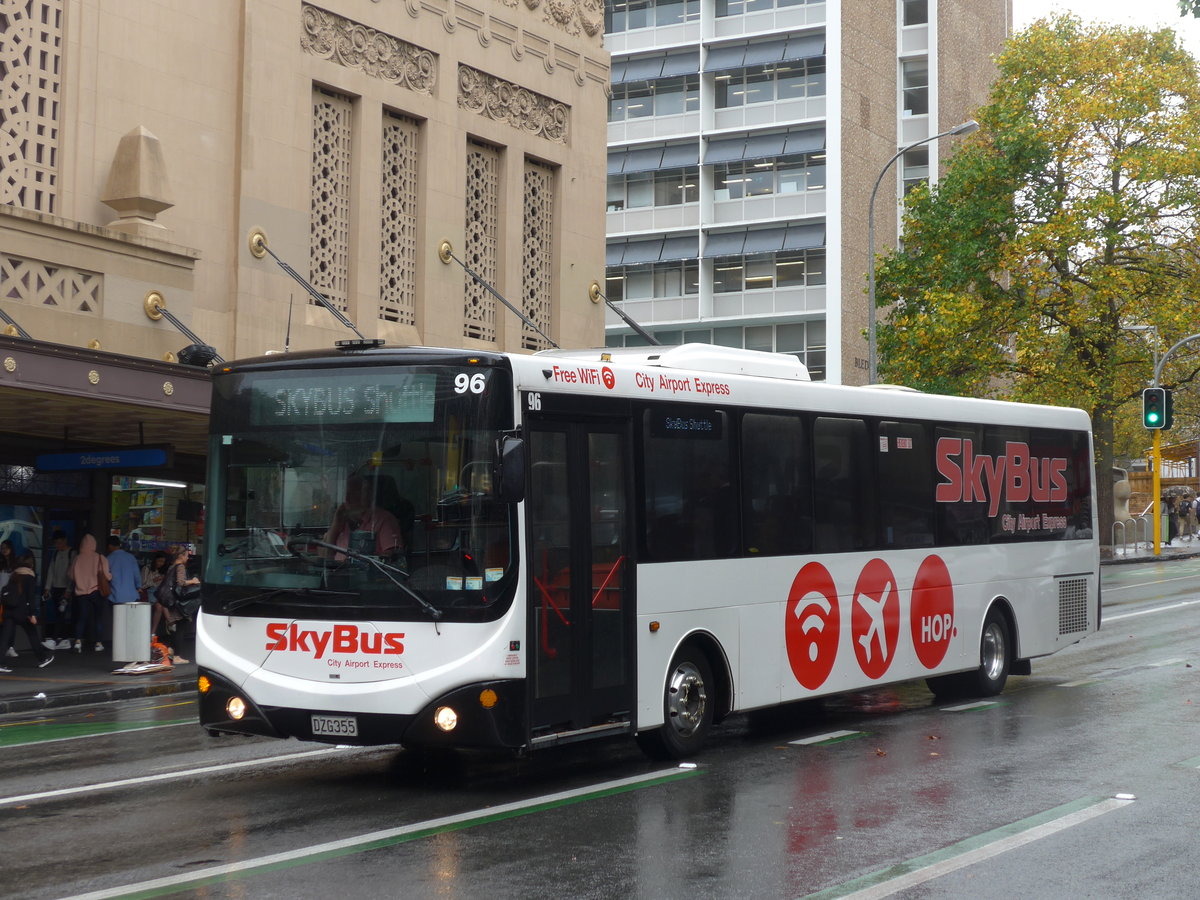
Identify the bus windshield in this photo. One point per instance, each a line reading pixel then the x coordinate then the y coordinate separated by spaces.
pixel 362 490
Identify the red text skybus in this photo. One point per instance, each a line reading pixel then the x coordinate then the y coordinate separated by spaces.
pixel 441 548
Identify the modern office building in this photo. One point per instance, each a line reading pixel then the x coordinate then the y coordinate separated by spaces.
pixel 744 139
pixel 144 142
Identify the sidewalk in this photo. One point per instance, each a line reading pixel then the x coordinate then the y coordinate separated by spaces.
pixel 74 679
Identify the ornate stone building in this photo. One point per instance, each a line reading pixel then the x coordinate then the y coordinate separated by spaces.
pixel 143 144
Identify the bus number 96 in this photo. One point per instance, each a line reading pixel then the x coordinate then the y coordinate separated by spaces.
pixel 473 383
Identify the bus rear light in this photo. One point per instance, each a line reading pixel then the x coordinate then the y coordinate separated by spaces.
pixel 445 718
pixel 236 707
pixel 488 698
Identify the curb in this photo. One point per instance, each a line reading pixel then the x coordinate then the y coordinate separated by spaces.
pixel 1125 561
pixel 85 697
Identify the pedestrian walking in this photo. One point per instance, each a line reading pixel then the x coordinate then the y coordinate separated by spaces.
pixel 57 602
pixel 91 576
pixel 19 597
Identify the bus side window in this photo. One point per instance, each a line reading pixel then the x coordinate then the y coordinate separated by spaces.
pixel 843 486
pixel 690 511
pixel 905 485
pixel 776 488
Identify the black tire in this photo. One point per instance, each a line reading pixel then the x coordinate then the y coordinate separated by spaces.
pixel 995 656
pixel 688 699
pixel 995 663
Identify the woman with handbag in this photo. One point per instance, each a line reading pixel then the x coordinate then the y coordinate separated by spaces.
pixel 167 613
pixel 93 583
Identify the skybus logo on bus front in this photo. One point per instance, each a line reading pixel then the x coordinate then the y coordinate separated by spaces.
pixel 285 637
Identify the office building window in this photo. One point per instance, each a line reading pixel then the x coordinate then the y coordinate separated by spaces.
pixel 666 279
pixel 915 12
pixel 914 75
pixel 764 84
pixel 662 97
pixel 741 7
pixel 786 269
pixel 627 15
pixel 781 175
pixel 672 187
pixel 915 167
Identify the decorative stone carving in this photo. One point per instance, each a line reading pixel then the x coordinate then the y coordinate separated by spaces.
pixel 573 16
pixel 351 44
pixel 507 102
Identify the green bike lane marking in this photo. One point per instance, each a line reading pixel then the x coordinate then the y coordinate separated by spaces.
pixel 40 731
pixel 388 837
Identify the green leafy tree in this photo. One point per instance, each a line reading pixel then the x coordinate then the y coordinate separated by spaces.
pixel 1189 6
pixel 1070 215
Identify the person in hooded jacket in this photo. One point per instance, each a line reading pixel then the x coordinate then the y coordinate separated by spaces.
pixel 92 607
pixel 20 599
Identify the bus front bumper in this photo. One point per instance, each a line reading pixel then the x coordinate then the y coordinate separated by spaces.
pixel 483 715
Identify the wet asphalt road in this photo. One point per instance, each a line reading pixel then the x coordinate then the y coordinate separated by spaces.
pixel 890 795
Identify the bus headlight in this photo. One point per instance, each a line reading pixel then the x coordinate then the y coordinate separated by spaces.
pixel 445 718
pixel 236 707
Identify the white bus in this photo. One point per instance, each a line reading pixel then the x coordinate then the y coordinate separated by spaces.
pixel 442 548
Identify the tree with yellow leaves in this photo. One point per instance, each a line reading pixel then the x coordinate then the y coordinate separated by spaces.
pixel 1066 222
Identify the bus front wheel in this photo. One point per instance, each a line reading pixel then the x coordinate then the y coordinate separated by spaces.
pixel 687 708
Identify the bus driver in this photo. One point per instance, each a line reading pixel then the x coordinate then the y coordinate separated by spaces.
pixel 362 526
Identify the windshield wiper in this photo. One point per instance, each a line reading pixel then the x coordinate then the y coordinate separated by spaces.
pixel 433 612
pixel 271 595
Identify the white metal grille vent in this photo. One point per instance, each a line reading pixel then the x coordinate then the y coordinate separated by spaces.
pixel 1072 605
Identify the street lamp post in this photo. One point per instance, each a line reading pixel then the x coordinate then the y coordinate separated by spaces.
pixel 964 128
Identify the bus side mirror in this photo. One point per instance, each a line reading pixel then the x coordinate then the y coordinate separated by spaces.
pixel 509 477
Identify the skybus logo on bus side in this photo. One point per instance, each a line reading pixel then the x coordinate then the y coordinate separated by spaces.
pixel 1015 477
pixel 285 637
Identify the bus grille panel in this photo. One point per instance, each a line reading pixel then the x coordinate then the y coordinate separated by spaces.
pixel 1072 605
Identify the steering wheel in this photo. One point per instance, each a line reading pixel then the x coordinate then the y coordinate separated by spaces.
pixel 297 546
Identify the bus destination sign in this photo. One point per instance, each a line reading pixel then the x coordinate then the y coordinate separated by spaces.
pixel 332 399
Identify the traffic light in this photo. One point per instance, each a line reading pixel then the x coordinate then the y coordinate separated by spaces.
pixel 1157 412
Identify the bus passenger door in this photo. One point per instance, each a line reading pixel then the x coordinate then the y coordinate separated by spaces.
pixel 580 597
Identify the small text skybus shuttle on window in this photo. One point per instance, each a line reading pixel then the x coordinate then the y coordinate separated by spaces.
pixel 441 548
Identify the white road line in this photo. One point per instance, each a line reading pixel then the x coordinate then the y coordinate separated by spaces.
pixel 989 850
pixel 165 776
pixel 1148 612
pixel 831 736
pixel 353 844
pixel 967 707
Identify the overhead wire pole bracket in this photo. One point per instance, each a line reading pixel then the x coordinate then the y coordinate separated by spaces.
pixel 596 294
pixel 155 307
pixel 259 248
pixel 14 328
pixel 446 254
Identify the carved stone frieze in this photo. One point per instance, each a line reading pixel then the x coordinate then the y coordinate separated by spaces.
pixel 356 46
pixel 507 102
pixel 573 16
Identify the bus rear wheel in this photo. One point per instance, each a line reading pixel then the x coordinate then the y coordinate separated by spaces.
pixel 687 708
pixel 995 663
